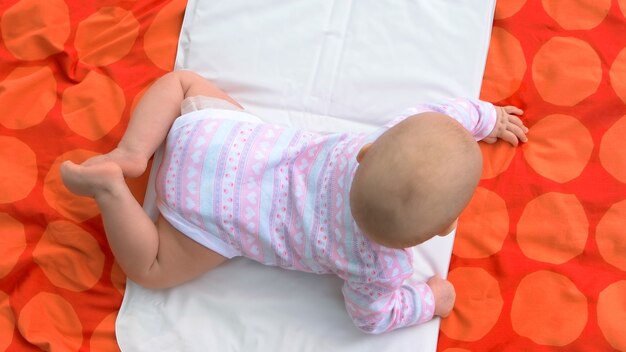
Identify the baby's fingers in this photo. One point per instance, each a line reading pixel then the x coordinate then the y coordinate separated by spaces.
pixel 519 132
pixel 510 109
pixel 510 137
pixel 516 120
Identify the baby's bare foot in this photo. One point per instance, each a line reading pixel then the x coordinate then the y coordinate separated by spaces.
pixel 92 180
pixel 132 164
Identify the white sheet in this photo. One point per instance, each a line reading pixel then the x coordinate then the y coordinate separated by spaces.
pixel 321 65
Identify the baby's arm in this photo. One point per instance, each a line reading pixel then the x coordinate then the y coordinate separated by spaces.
pixel 483 120
pixel 382 306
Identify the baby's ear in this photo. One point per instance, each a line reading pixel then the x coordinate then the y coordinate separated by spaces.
pixel 362 152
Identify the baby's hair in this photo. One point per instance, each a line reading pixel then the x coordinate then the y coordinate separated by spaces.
pixel 415 180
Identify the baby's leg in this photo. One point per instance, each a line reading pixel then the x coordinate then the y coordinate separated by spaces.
pixel 154 115
pixel 155 256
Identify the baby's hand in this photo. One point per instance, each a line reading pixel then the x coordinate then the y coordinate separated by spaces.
pixel 508 126
pixel 444 295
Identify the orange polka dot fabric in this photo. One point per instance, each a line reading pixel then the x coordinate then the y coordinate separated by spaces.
pixel 539 262
pixel 70 73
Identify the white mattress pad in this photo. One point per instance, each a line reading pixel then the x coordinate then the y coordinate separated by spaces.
pixel 323 66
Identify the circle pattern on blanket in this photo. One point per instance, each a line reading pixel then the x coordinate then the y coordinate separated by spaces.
pixel 106 36
pixel 486 214
pixel 617 75
pixel 93 115
pixel 563 253
pixel 68 68
pixel 553 65
pixel 19 169
pixel 612 152
pixel 30 104
pixel 103 337
pixel 612 314
pixel 549 309
pixel 7 321
pixel 481 299
pixel 580 14
pixel 506 66
pixel 13 243
pixel 496 158
pixel 508 8
pixel 570 149
pixel 62 244
pixel 162 52
pixel 42 35
pixel 49 322
pixel 610 235
pixel 553 228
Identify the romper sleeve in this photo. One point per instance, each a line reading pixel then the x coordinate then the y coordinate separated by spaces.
pixel 385 306
pixel 477 116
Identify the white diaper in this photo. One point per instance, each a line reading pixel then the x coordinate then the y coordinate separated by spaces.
pixel 200 102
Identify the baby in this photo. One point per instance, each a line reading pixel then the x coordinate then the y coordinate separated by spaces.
pixel 351 204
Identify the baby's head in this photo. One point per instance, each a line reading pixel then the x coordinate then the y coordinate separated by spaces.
pixel 414 180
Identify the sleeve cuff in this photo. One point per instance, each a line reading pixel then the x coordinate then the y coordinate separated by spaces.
pixel 488 120
pixel 428 303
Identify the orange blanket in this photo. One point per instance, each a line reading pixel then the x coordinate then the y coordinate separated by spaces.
pixel 70 72
pixel 540 257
